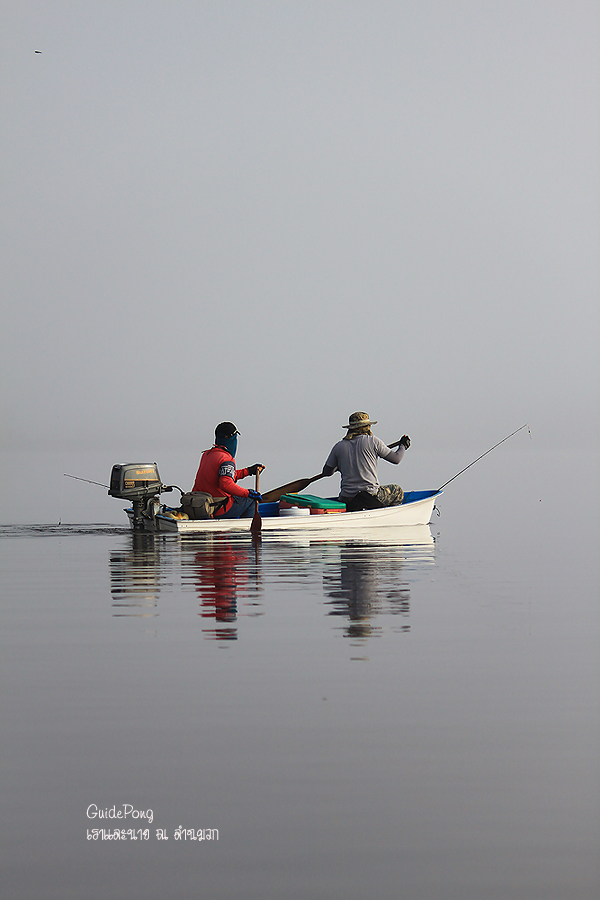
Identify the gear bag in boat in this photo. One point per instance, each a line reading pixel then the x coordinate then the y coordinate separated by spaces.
pixel 200 505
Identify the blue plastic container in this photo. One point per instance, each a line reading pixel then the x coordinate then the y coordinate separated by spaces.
pixel 267 510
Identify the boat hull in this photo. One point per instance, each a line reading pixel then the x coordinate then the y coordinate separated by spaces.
pixel 416 510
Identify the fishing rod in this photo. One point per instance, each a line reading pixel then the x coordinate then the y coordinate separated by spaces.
pixel 76 477
pixel 484 454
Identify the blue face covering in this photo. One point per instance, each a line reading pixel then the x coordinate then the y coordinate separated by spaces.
pixel 230 443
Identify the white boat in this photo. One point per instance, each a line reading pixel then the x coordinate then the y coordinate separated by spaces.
pixel 140 484
pixel 415 510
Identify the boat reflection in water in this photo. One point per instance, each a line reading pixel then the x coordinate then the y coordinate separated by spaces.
pixel 360 578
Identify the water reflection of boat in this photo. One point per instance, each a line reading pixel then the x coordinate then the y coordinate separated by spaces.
pixel 364 577
pixel 391 536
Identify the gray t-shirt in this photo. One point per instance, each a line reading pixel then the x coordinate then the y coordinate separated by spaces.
pixel 357 462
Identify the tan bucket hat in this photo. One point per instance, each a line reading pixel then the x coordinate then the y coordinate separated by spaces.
pixel 359 420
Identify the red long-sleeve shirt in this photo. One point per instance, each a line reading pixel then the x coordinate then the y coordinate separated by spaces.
pixel 217 476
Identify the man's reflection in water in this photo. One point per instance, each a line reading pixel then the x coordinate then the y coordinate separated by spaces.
pixel 221 570
pixel 368 584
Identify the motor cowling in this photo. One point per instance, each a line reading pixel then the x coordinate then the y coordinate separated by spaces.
pixel 135 481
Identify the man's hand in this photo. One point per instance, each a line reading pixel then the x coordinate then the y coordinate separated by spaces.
pixel 256 469
pixel 254 495
pixel 405 441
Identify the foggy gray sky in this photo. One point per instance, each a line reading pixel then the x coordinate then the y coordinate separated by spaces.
pixel 280 212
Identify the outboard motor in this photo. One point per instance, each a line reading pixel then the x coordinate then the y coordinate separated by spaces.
pixel 139 483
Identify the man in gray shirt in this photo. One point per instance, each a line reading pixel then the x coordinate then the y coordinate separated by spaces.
pixel 355 457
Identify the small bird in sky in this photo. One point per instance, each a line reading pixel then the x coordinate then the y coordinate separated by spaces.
pixel 38 51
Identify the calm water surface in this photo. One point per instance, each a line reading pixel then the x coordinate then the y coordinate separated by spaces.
pixel 389 716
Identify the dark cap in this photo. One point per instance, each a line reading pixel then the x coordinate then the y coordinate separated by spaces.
pixel 226 430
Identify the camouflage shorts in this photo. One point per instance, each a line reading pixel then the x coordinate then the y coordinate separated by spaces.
pixel 390 494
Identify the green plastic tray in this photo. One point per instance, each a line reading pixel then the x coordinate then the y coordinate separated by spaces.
pixel 312 502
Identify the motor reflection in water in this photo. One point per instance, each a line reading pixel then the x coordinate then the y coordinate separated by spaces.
pixel 135 577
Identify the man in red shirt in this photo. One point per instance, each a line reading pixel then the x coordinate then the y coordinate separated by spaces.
pixel 218 476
